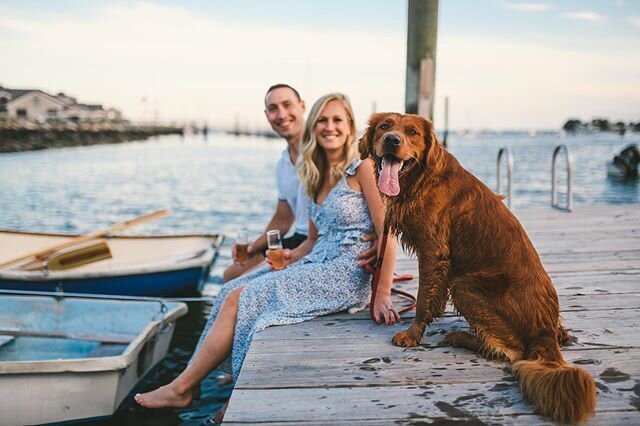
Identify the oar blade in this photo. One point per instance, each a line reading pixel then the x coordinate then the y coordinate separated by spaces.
pixel 73 257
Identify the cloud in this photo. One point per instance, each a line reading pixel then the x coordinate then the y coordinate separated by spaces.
pixel 584 15
pixel 17 25
pixel 538 87
pixel 187 65
pixel 528 7
pixel 635 21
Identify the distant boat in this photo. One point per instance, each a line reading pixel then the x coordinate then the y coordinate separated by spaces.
pixel 140 266
pixel 64 359
pixel 625 165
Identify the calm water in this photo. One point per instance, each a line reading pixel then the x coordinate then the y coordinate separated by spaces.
pixel 225 183
pixel 532 167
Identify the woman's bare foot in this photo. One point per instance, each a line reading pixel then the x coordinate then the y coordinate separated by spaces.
pixel 224 379
pixel 219 416
pixel 166 396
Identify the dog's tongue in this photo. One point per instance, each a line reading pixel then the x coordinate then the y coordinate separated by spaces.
pixel 388 180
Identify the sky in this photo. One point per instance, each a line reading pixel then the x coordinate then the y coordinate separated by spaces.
pixel 502 64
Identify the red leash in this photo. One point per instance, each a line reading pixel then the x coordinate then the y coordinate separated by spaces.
pixel 376 280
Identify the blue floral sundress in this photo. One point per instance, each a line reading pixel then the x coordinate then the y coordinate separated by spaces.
pixel 325 281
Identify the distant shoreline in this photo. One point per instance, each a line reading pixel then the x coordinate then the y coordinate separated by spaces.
pixel 19 137
pixel 15 138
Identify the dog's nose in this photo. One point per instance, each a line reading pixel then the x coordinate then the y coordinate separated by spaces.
pixel 391 141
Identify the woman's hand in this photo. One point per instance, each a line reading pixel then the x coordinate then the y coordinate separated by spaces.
pixel 287 260
pixel 383 310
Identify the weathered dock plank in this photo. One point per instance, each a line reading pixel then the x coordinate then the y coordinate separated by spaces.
pixel 343 368
pixel 434 365
pixel 457 401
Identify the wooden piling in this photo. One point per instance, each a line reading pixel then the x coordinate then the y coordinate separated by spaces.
pixel 422 37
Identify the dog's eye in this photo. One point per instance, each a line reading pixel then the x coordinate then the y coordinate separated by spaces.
pixel 384 126
pixel 413 132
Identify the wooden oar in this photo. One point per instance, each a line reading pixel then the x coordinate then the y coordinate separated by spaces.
pixel 44 253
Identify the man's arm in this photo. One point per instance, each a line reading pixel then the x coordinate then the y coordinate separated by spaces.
pixel 367 257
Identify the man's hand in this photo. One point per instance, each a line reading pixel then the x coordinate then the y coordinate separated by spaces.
pixel 369 255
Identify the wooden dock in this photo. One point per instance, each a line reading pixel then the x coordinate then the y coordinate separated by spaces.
pixel 343 369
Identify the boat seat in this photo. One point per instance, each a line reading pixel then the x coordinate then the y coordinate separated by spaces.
pixel 6 339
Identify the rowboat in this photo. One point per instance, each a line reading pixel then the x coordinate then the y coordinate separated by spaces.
pixel 72 358
pixel 141 266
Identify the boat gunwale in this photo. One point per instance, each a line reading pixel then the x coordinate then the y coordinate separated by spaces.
pixel 149 269
pixel 119 236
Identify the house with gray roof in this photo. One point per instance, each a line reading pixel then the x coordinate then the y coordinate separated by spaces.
pixel 37 105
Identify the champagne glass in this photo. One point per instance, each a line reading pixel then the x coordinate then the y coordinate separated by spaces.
pixel 275 252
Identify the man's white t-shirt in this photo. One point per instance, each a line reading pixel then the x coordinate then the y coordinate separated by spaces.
pixel 291 191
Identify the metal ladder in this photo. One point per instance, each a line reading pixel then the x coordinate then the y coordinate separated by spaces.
pixel 505 151
pixel 554 194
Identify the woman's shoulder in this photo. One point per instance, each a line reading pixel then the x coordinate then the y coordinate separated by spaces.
pixel 365 167
pixel 352 169
pixel 356 166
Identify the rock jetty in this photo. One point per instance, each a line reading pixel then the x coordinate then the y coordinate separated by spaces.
pixel 17 137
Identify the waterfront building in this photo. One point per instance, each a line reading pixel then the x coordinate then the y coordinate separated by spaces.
pixel 37 105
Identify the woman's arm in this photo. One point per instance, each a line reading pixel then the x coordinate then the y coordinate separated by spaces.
pixel 383 309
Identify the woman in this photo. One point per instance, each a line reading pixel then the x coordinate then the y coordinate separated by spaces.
pixel 321 275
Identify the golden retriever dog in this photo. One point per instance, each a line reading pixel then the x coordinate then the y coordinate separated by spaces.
pixel 470 246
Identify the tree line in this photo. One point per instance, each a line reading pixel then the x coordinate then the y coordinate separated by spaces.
pixel 600 125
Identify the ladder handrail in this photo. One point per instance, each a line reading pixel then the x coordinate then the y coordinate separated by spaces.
pixel 506 151
pixel 554 194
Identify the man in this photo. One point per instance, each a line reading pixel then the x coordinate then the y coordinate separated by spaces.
pixel 284 109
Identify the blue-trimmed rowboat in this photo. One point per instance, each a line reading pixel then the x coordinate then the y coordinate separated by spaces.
pixel 76 358
pixel 140 266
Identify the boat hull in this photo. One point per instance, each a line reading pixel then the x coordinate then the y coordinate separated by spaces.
pixel 167 283
pixel 141 266
pixel 92 370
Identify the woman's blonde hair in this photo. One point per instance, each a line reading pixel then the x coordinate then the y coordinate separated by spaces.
pixel 314 162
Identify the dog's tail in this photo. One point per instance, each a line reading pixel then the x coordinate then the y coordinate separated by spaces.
pixel 558 390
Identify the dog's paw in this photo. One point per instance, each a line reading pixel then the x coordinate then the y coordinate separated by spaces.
pixel 405 339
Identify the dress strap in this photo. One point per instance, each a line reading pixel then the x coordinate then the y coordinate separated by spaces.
pixel 351 170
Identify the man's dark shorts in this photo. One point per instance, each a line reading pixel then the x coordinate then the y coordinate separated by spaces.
pixel 293 241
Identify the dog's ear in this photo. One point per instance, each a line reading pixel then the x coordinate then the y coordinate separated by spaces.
pixel 434 150
pixel 365 144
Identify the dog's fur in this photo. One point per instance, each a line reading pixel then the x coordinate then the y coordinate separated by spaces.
pixel 469 245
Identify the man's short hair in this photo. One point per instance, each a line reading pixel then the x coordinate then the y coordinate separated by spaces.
pixel 282 86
